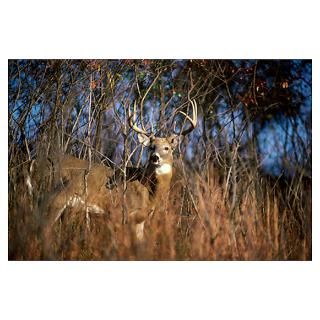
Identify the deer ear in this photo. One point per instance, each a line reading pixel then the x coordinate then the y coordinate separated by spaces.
pixel 173 140
pixel 143 139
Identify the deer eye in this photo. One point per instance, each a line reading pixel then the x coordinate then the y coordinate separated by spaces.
pixel 166 148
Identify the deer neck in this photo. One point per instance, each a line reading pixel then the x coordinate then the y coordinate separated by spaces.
pixel 158 179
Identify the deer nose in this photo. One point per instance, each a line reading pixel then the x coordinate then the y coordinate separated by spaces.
pixel 155 158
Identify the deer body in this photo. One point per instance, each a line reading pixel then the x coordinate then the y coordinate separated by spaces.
pixel 77 186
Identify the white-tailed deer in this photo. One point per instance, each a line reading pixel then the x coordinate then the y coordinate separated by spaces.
pixel 146 187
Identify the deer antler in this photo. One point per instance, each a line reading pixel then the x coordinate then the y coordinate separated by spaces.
pixel 132 120
pixel 193 120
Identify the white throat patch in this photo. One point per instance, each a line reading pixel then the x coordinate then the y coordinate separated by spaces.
pixel 164 169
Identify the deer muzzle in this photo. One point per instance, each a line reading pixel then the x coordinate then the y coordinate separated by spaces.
pixel 155 158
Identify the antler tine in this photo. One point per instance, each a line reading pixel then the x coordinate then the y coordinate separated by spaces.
pixel 132 120
pixel 192 121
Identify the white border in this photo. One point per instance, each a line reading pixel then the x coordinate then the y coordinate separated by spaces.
pixel 159 290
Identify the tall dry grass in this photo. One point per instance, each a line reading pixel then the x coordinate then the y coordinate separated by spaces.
pixel 196 223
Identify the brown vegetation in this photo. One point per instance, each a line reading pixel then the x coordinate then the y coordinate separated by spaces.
pixel 195 224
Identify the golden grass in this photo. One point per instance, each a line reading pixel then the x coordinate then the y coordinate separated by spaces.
pixel 195 224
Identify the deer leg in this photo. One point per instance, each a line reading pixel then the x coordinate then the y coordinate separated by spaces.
pixel 53 209
pixel 139 230
pixel 138 218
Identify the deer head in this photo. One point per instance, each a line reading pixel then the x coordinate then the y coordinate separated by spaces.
pixel 161 149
